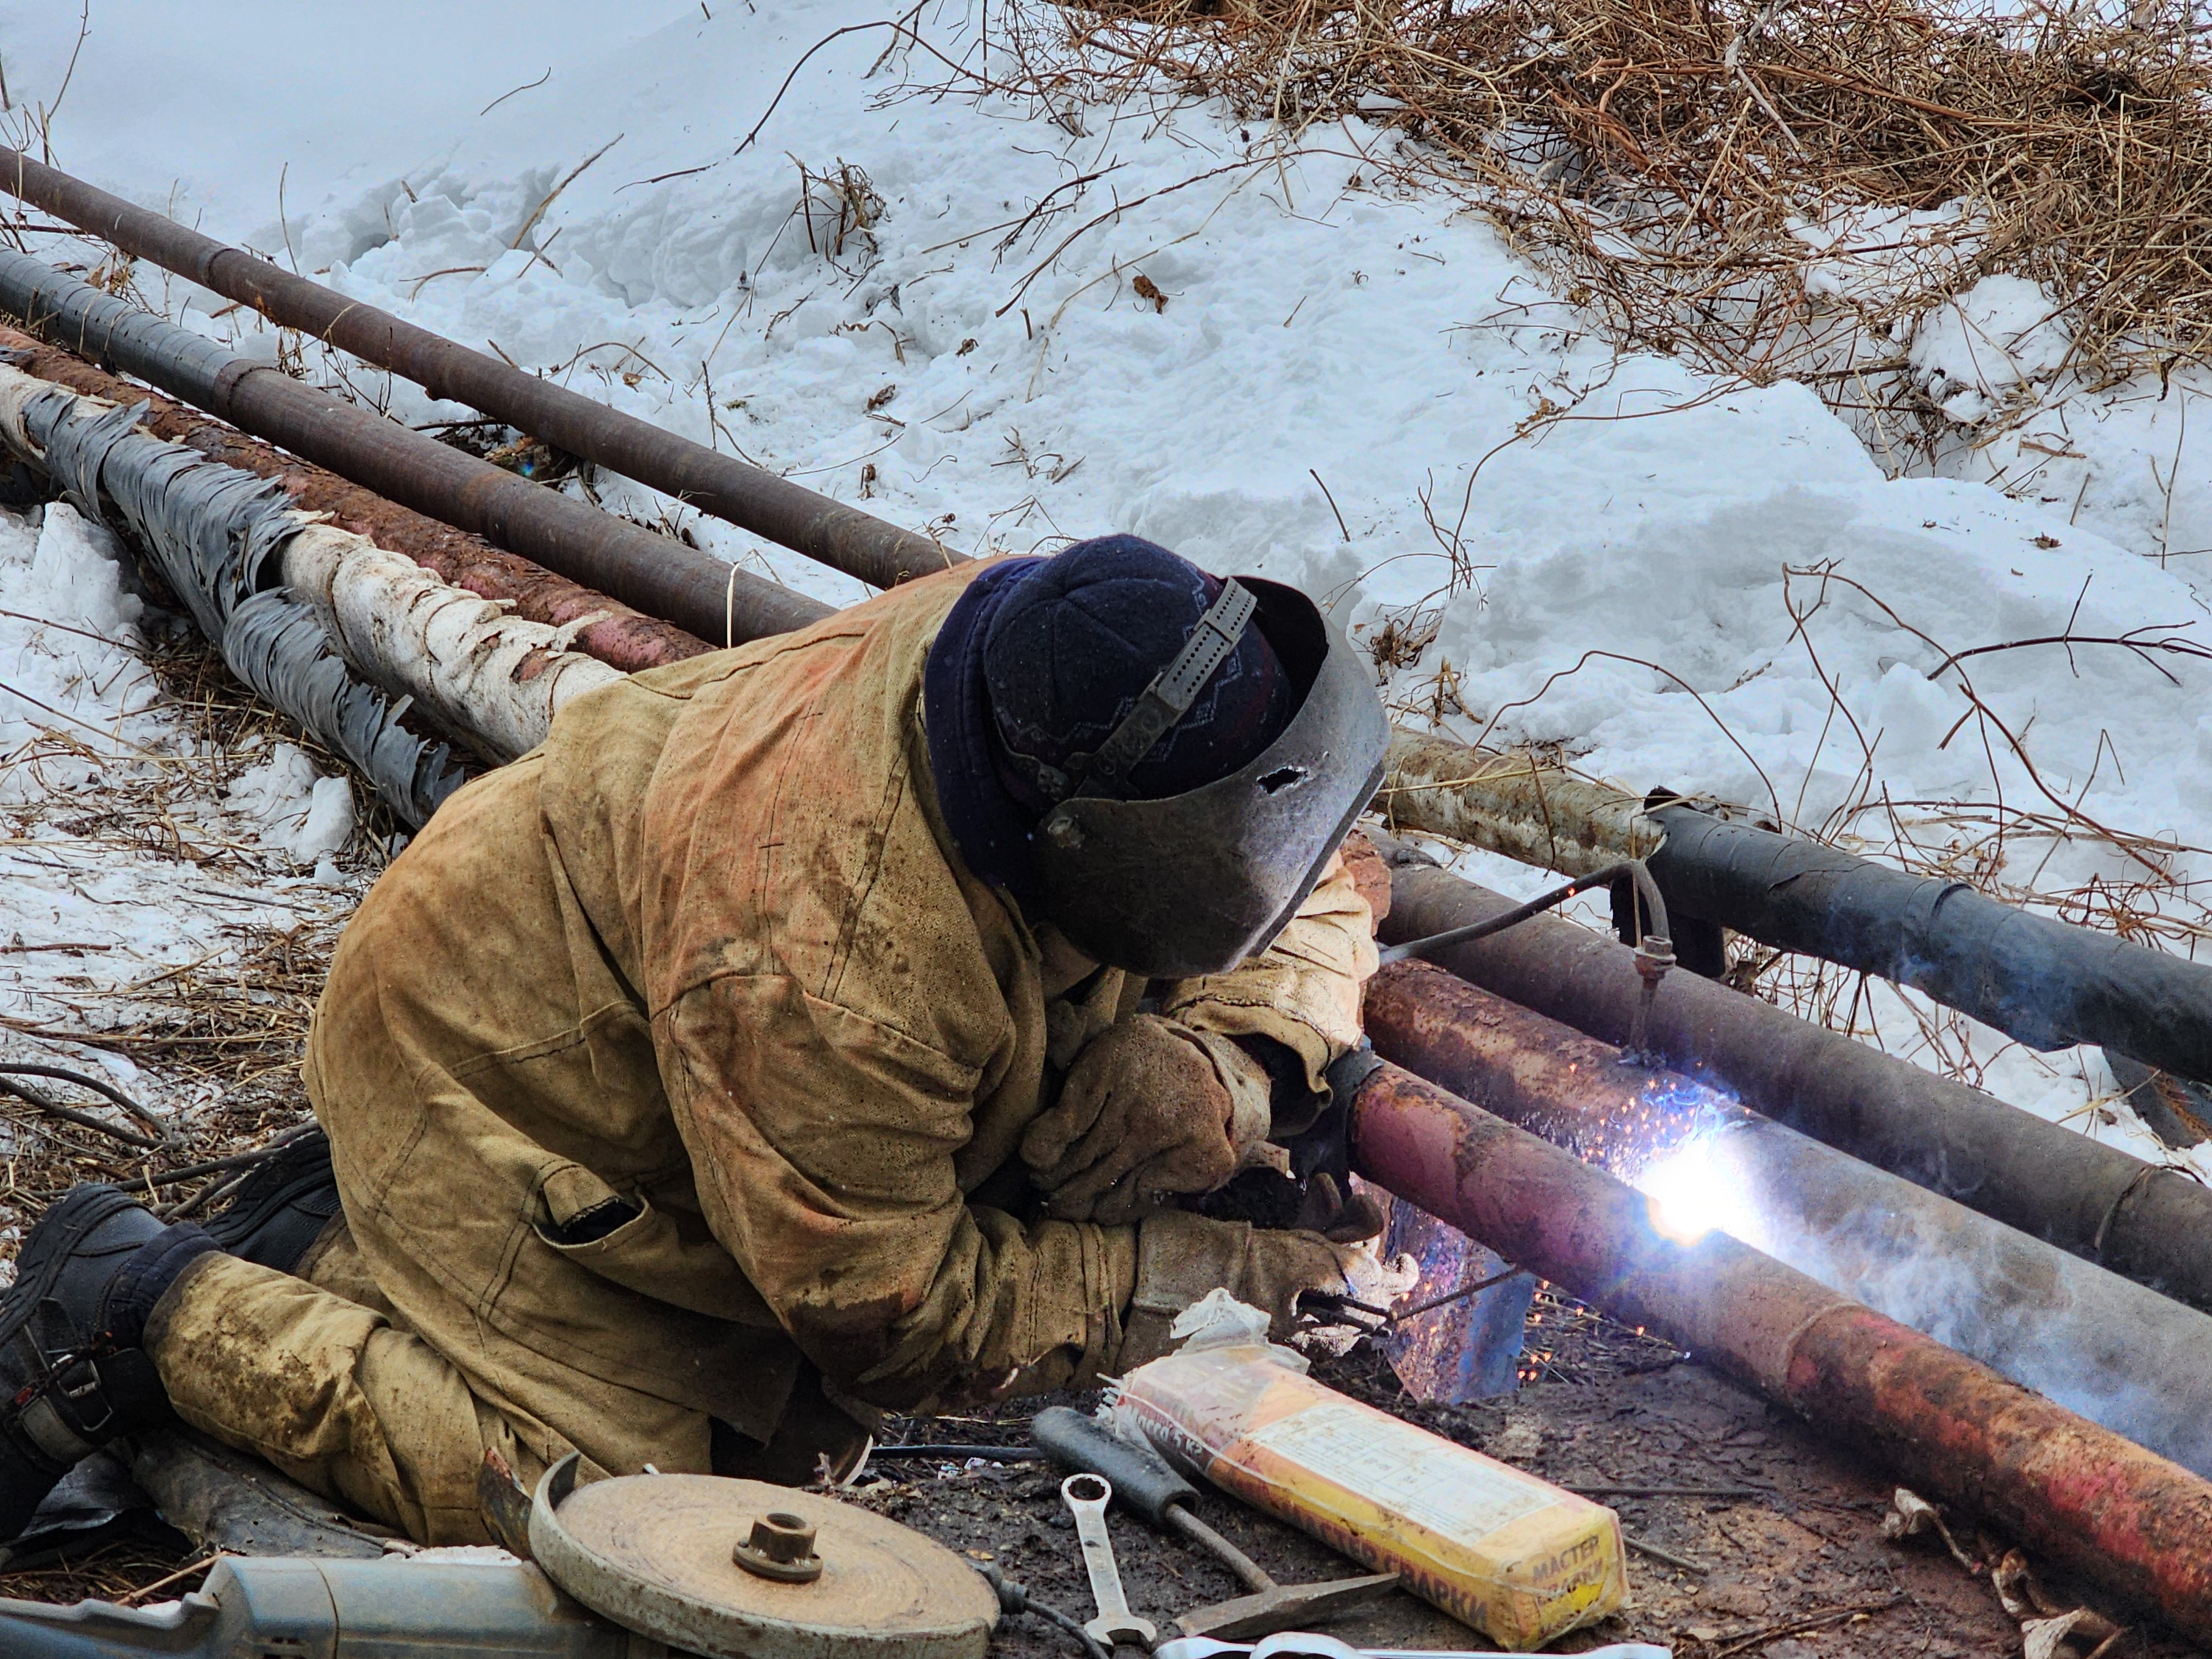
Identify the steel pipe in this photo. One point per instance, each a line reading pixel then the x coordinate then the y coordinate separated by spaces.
pixel 2078 1494
pixel 2120 1355
pixel 789 514
pixel 623 638
pixel 1510 803
pixel 2150 1224
pixel 2043 982
pixel 663 578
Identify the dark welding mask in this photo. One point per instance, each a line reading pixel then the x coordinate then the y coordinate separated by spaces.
pixel 1195 883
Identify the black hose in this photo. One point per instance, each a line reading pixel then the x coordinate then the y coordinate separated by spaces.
pixel 1628 869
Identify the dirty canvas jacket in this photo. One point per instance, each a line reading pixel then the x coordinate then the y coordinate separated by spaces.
pixel 685 1045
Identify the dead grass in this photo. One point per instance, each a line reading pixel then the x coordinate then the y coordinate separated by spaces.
pixel 220 1036
pixel 1666 162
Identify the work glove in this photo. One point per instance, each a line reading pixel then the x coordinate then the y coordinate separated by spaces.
pixel 1181 1257
pixel 1150 1108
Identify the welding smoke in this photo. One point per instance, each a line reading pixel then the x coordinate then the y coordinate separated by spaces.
pixel 2109 1349
pixel 2120 1355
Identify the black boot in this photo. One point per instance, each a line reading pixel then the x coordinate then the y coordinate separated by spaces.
pixel 283 1206
pixel 73 1375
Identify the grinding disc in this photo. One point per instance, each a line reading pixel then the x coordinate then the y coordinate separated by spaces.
pixel 654 1552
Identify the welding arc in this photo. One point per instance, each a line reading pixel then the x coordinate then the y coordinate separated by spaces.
pixel 842 536
pixel 2120 1354
pixel 2147 1223
pixel 1627 870
pixel 2083 1496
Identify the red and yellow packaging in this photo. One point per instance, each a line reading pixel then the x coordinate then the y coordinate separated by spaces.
pixel 1518 1558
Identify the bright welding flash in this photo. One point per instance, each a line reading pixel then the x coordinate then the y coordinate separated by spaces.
pixel 1689 1190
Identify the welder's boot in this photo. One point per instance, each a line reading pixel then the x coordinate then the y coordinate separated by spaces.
pixel 283 1206
pixel 73 1375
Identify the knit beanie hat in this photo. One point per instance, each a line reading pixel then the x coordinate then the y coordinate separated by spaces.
pixel 1070 651
pixel 1040 658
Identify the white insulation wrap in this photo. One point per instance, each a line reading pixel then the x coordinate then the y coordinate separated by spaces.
pixel 496 679
pixel 254 572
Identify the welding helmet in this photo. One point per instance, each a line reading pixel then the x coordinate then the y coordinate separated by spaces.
pixel 1194 883
pixel 1157 761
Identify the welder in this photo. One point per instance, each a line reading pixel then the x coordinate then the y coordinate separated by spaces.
pixel 849 1022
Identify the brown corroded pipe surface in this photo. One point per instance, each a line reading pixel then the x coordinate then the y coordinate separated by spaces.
pixel 628 639
pixel 682 585
pixel 1950 1427
pixel 2110 1349
pixel 842 537
pixel 2151 1225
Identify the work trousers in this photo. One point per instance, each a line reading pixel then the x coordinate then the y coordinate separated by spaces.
pixel 316 1375
pixel 320 1376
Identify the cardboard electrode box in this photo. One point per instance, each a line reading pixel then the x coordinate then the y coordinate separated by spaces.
pixel 1518 1558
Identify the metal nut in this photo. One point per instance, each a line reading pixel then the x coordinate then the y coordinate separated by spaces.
pixel 782 1546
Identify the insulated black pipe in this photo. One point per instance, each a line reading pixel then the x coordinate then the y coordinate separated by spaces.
pixel 857 542
pixel 2150 1224
pixel 2043 982
pixel 663 578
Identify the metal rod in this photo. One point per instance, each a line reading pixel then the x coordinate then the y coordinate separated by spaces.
pixel 789 514
pixel 2150 1224
pixel 661 577
pixel 1247 1571
pixel 622 638
pixel 1950 1427
pixel 2118 1353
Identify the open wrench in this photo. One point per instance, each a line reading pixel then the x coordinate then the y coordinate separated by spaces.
pixel 1086 1496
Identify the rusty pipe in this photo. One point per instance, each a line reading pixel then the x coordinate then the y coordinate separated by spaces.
pixel 789 514
pixel 2148 1224
pixel 2077 1493
pixel 2123 1356
pixel 663 578
pixel 622 637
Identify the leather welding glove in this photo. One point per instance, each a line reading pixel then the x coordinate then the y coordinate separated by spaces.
pixel 1181 1257
pixel 1150 1108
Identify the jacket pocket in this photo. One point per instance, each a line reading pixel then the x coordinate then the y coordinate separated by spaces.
pixel 628 1242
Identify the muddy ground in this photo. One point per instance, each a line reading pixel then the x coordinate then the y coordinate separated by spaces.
pixel 1780 1554
pixel 1791 1565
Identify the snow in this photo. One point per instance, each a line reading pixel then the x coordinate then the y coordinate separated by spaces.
pixel 930 304
pixel 122 866
pixel 299 813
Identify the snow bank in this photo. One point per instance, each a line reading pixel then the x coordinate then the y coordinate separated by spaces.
pixel 1711 587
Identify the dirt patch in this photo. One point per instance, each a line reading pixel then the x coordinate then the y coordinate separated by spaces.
pixel 1787 1560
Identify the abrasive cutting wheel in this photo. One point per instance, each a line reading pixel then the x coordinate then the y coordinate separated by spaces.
pixel 741 1569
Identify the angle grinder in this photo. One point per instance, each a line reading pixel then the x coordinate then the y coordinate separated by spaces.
pixel 651 1564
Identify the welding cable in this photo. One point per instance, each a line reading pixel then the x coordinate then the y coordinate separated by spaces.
pixel 1655 951
pixel 1014 1597
pixel 1631 869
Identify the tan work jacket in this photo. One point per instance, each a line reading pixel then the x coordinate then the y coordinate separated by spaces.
pixel 710 949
